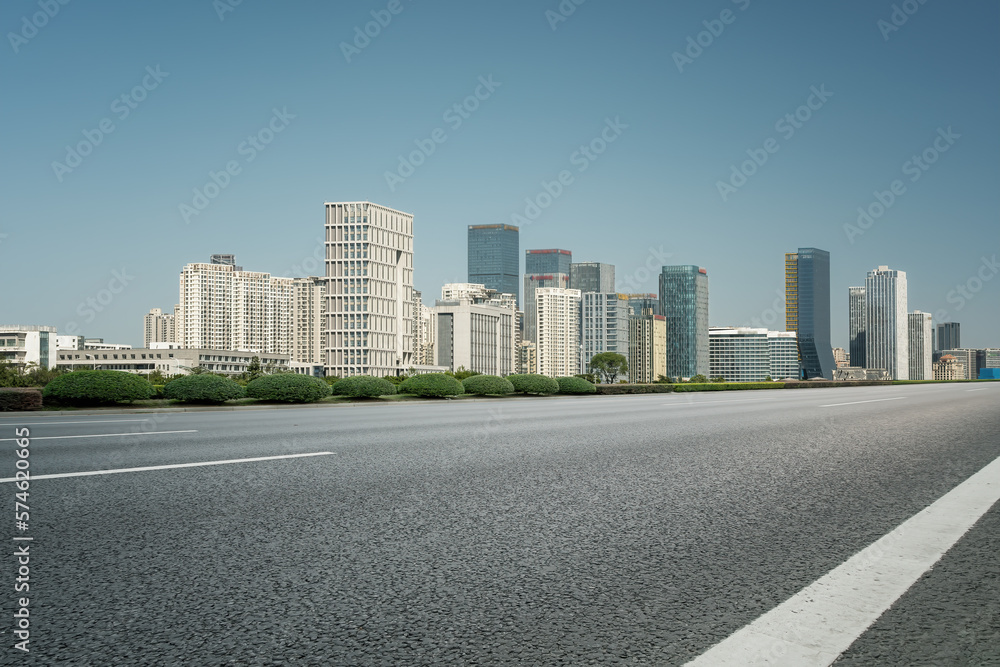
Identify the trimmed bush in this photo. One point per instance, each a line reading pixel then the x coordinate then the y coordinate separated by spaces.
pixel 658 388
pixel 575 385
pixel 158 389
pixel 288 387
pixel 363 386
pixel 532 383
pixel 98 388
pixel 432 384
pixel 203 388
pixel 487 385
pixel 20 398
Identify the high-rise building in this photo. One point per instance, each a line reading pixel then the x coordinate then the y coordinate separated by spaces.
pixel 920 346
pixel 558 344
pixel 987 358
pixel 887 343
pixel 542 268
pixel 308 303
pixel 643 304
pixel 784 351
pixel 223 308
pixel 807 309
pixel 604 325
pixel 477 331
pixel 225 260
pixel 647 348
pixel 841 357
pixel 369 290
pixel 158 327
pixel 966 357
pixel 494 257
pixel 684 303
pixel 949 336
pixel 858 312
pixel 592 277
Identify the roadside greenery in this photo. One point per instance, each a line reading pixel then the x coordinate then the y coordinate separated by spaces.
pixel 84 388
pixel 532 383
pixel 575 385
pixel 487 385
pixel 432 384
pixel 608 366
pixel 20 398
pixel 203 388
pixel 288 388
pixel 363 386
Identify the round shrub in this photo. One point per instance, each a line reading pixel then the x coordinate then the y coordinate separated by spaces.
pixel 487 385
pixel 203 388
pixel 363 386
pixel 575 385
pixel 432 384
pixel 98 388
pixel 532 383
pixel 288 387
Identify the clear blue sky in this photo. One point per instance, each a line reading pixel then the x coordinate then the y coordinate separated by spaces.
pixel 655 186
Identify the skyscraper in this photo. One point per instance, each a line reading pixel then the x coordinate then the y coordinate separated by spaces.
pixel 604 325
pixel 592 277
pixel 807 309
pixel 558 345
pixel 887 343
pixel 647 348
pixel 920 346
pixel 158 327
pixel 643 304
pixel 542 268
pixel 369 289
pixel 949 336
pixel 493 257
pixel 684 304
pixel 308 321
pixel 857 307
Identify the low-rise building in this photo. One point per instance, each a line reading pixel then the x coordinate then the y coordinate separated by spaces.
pixel 948 367
pixel 967 358
pixel 745 354
pixel 169 362
pixel 21 345
pixel 475 329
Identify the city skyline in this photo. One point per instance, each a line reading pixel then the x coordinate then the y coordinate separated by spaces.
pixel 829 183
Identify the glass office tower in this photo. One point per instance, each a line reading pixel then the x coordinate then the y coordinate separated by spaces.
pixel 807 309
pixel 493 257
pixel 542 268
pixel 684 304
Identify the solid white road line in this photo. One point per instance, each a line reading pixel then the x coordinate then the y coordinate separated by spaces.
pixel 102 421
pixel 816 625
pixel 874 400
pixel 980 389
pixel 168 467
pixel 97 435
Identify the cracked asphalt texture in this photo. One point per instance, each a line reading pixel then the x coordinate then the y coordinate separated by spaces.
pixel 618 530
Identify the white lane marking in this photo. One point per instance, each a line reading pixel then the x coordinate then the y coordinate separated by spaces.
pixel 97 435
pixel 980 389
pixel 817 624
pixel 874 400
pixel 741 400
pixel 168 467
pixel 102 421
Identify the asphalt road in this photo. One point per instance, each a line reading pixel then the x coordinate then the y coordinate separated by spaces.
pixel 583 531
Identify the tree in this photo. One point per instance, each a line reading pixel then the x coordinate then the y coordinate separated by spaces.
pixel 462 372
pixel 699 378
pixel 253 369
pixel 768 379
pixel 609 365
pixel 719 378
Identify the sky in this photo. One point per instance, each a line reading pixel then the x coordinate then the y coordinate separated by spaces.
pixel 140 137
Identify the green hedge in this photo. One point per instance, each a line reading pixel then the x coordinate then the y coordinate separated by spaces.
pixel 487 385
pixel 575 385
pixel 203 388
pixel 98 388
pixel 432 384
pixel 634 388
pixel 158 390
pixel 726 386
pixel 288 387
pixel 825 384
pixel 531 383
pixel 20 398
pixel 363 386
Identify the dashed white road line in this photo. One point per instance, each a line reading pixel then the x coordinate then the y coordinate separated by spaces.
pixel 88 473
pixel 96 435
pixel 817 624
pixel 874 400
pixel 980 389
